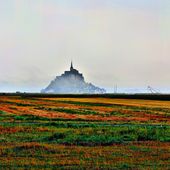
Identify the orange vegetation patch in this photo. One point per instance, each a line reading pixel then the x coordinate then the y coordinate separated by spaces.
pixel 9 130
pixel 126 102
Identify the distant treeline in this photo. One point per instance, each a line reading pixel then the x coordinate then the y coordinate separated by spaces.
pixel 118 96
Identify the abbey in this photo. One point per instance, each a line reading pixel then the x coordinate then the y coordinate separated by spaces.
pixel 73 72
pixel 71 82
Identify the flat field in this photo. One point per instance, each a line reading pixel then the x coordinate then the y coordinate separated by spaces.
pixel 84 133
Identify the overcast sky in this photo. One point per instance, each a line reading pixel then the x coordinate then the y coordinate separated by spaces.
pixel 123 42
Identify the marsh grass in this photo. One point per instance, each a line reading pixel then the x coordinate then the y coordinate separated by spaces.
pixel 35 142
pixel 121 106
pixel 111 135
pixel 70 111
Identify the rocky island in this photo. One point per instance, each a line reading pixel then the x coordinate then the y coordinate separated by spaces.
pixel 72 82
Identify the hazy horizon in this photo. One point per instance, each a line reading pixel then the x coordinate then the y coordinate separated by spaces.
pixel 122 42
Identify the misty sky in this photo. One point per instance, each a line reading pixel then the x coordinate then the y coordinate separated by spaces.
pixel 123 42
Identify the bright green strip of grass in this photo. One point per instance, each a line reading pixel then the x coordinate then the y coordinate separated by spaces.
pixel 26 117
pixel 110 135
pixel 77 134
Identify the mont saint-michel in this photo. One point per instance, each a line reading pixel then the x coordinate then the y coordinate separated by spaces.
pixel 72 82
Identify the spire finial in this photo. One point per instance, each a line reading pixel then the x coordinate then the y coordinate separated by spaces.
pixel 71 65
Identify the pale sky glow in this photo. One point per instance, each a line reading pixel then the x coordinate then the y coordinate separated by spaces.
pixel 123 42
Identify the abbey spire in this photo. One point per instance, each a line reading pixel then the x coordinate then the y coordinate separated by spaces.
pixel 71 68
